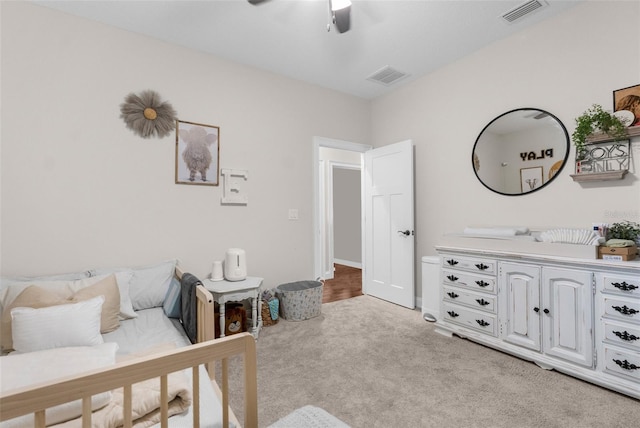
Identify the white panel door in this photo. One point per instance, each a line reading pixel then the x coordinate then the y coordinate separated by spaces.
pixel 389 224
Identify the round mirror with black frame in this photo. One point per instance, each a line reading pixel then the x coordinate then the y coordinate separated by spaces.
pixel 520 151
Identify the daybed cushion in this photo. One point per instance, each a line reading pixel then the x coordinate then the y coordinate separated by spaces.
pixel 76 324
pixel 37 297
pixel 20 370
pixel 11 288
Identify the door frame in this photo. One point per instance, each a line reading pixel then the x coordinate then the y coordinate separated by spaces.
pixel 318 186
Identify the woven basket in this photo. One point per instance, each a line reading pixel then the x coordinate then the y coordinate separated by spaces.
pixel 266 315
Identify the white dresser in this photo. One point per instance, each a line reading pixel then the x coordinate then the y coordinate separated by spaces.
pixel 575 315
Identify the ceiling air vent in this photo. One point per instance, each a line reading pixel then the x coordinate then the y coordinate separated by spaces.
pixel 387 76
pixel 523 10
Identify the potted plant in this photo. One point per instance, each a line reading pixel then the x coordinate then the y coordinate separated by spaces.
pixel 624 230
pixel 595 119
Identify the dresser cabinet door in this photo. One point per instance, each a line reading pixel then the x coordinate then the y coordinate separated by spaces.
pixel 567 315
pixel 520 297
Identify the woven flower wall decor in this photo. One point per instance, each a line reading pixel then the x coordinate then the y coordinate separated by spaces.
pixel 147 115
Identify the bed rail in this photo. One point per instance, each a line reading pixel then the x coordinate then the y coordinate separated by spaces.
pixel 37 398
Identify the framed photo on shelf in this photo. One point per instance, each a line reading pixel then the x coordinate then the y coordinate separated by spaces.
pixel 530 178
pixel 628 99
pixel 197 153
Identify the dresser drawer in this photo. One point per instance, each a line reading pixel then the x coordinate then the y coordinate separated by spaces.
pixel 623 363
pixel 622 309
pixel 476 320
pixel 622 334
pixel 628 285
pixel 471 281
pixel 484 302
pixel 471 264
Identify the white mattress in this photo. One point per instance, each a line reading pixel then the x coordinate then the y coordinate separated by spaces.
pixel 149 329
pixel 152 328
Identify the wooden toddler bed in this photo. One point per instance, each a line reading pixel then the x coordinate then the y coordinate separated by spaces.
pixel 140 378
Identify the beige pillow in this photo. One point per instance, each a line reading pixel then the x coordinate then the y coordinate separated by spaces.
pixel 108 288
pixel 32 297
pixel 37 297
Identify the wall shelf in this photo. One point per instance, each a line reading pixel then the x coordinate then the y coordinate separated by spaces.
pixel 600 176
pixel 600 137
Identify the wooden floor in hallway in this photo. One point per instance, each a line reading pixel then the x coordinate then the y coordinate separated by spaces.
pixel 346 283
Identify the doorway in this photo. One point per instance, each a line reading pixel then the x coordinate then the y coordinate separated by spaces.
pixel 338 248
pixel 387 201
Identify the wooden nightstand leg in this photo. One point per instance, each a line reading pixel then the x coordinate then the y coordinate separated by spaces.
pixel 254 316
pixel 222 319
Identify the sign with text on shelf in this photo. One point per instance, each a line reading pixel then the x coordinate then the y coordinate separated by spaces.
pixel 605 157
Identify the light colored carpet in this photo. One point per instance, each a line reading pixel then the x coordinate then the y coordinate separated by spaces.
pixel 374 364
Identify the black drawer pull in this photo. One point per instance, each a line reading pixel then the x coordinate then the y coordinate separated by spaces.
pixel 626 336
pixel 482 266
pixel 624 310
pixel 453 314
pixel 624 286
pixel 452 295
pixel 482 283
pixel 482 323
pixel 452 278
pixel 626 365
pixel 452 262
pixel 482 302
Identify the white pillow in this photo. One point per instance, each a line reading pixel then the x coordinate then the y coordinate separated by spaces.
pixel 149 284
pixel 124 284
pixel 77 324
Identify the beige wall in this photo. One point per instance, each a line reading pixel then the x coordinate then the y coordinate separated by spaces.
pixel 80 190
pixel 563 65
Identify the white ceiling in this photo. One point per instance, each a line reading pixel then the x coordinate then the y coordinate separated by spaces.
pixel 289 37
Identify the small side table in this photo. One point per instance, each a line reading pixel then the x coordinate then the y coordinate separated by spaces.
pixel 235 291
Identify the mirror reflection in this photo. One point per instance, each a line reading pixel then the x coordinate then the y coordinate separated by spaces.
pixel 520 151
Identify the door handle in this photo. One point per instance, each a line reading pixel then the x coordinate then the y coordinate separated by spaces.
pixel 406 232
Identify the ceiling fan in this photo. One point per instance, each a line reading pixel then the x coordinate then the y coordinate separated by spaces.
pixel 339 10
